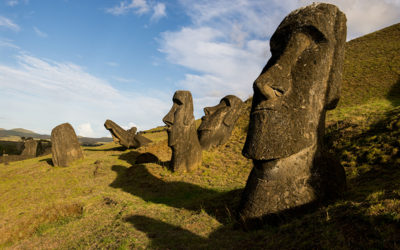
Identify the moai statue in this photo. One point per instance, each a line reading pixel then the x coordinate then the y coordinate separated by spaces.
pixel 65 146
pixel 127 138
pixel 217 124
pixel 285 136
pixel 31 148
pixel 182 135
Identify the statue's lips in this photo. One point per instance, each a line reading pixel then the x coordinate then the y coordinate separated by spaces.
pixel 259 110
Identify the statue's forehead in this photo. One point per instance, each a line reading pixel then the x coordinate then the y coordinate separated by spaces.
pixel 181 96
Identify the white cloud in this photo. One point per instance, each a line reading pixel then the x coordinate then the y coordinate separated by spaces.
pixel 124 80
pixel 226 45
pixel 137 6
pixel 12 2
pixel 49 93
pixel 9 24
pixel 158 12
pixel 86 130
pixel 39 32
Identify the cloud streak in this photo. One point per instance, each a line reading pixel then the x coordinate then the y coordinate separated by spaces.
pixel 227 42
pixel 136 6
pixel 8 24
pixel 45 93
pixel 39 32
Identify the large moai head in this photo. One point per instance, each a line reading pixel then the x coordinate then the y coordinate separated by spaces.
pixel 218 122
pixel 287 120
pixel 182 135
pixel 65 145
pixel 298 84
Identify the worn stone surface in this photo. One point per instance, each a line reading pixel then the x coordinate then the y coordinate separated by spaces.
pixel 218 122
pixel 296 87
pixel 182 134
pixel 31 148
pixel 65 146
pixel 127 138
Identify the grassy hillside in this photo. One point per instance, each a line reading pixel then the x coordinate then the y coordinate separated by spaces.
pixel 117 199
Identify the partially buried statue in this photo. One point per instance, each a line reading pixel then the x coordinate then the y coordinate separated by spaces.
pixel 65 145
pixel 127 138
pixel 285 136
pixel 182 135
pixel 217 124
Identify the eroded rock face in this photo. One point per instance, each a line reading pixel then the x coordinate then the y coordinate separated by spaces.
pixel 65 145
pixel 182 134
pixel 296 87
pixel 126 138
pixel 217 124
pixel 31 148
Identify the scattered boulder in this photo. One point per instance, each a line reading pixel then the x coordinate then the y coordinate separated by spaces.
pixel 127 138
pixel 218 122
pixel 287 120
pixel 182 134
pixel 65 145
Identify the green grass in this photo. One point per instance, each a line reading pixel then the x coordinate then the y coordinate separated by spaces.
pixel 113 199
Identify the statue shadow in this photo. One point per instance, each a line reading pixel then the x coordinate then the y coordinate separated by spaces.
pixel 394 93
pixel 138 181
pixel 117 148
pixel 48 161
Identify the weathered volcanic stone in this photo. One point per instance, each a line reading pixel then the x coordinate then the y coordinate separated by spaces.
pixel 217 124
pixel 182 135
pixel 65 146
pixel 126 138
pixel 31 148
pixel 285 136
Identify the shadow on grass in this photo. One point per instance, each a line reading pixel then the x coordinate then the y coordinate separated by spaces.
pixel 118 148
pixel 394 93
pixel 138 181
pixel 48 161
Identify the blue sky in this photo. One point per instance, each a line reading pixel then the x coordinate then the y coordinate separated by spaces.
pixel 85 61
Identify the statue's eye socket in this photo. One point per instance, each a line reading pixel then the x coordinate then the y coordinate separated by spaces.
pixel 226 102
pixel 177 101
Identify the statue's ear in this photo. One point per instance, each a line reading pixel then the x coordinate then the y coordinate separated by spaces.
pixel 235 105
pixel 188 109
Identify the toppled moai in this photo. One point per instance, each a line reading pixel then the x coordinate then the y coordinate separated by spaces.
pixel 285 137
pixel 182 134
pixel 65 145
pixel 127 138
pixel 218 122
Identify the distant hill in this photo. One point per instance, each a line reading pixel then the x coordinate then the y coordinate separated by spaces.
pixel 20 132
pixel 372 67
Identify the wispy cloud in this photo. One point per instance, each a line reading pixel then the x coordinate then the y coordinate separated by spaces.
pixel 16 2
pixel 8 43
pixel 112 64
pixel 139 7
pixel 49 93
pixel 124 7
pixel 124 80
pixel 227 42
pixel 9 24
pixel 39 32
pixel 159 11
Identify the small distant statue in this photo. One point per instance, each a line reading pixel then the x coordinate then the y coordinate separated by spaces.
pixel 65 145
pixel 182 135
pixel 218 122
pixel 285 136
pixel 31 148
pixel 127 138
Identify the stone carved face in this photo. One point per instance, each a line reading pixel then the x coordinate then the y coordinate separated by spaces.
pixel 180 117
pixel 218 121
pixel 299 82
